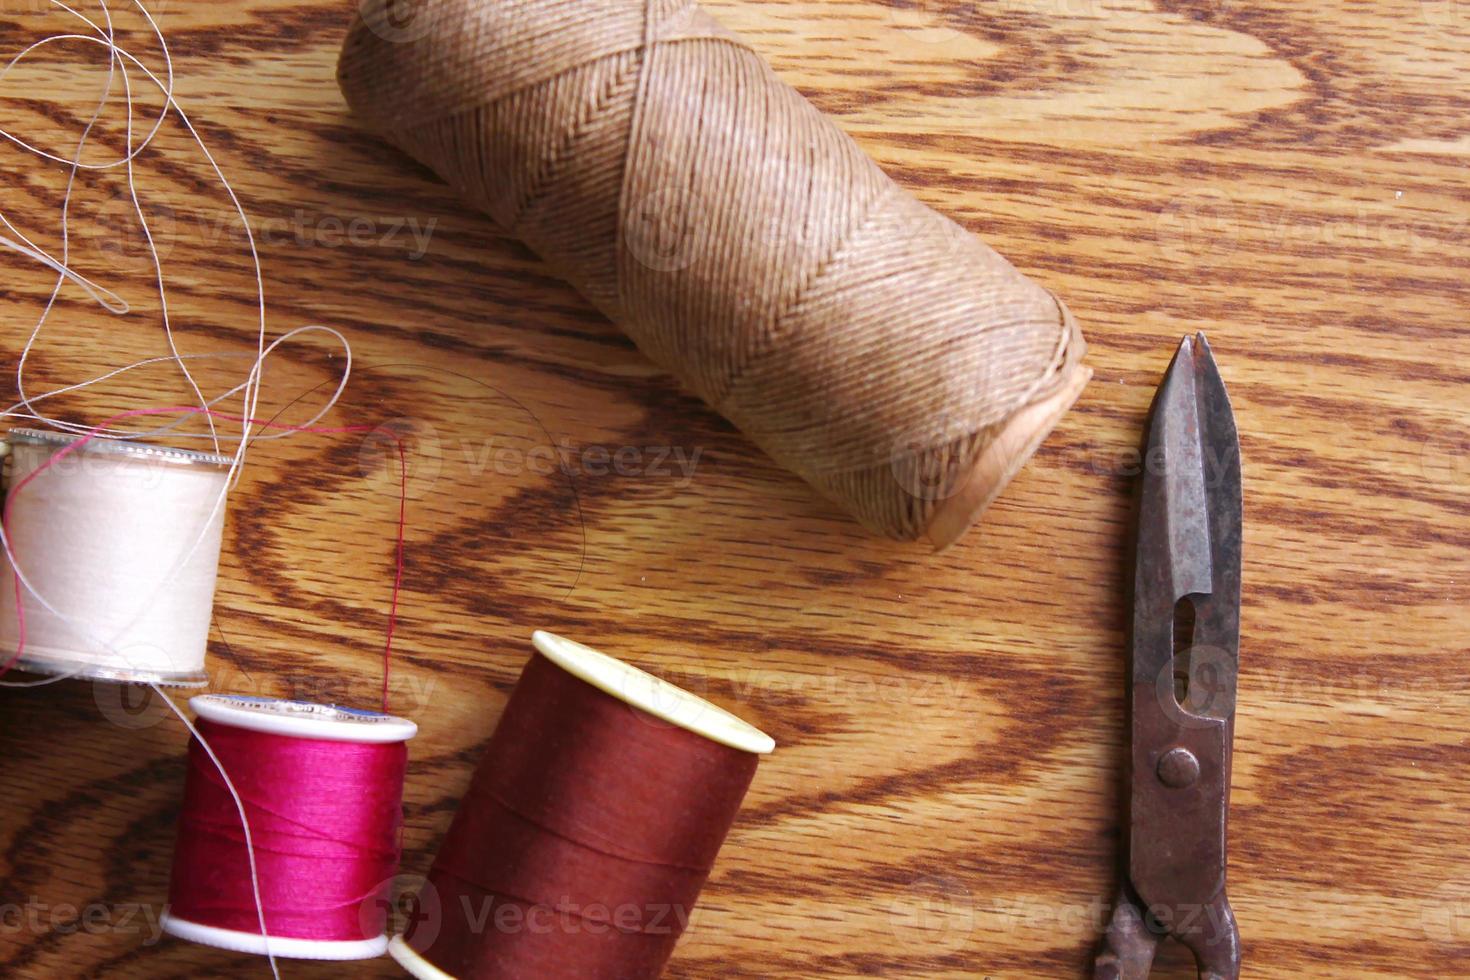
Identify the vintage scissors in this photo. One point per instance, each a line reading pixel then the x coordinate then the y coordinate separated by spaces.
pixel 1184 645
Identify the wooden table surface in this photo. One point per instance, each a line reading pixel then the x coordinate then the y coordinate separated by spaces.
pixel 1289 177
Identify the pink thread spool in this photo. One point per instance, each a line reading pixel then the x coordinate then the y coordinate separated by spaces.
pixel 322 788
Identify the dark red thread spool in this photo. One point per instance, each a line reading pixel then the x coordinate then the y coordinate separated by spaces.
pixel 322 788
pixel 588 831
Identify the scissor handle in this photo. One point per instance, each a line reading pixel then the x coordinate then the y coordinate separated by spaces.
pixel 1178 798
pixel 1130 943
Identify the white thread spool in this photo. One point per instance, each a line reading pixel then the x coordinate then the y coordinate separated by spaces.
pixel 122 540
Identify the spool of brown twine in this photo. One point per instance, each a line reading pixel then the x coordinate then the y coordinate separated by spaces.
pixel 742 240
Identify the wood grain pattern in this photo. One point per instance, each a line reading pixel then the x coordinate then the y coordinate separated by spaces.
pixel 1289 177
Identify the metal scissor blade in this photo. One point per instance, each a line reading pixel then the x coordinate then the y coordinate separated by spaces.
pixel 1187 560
pixel 1176 459
pixel 1189 519
pixel 1187 556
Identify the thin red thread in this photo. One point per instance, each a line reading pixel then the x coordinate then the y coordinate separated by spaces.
pixel 318 430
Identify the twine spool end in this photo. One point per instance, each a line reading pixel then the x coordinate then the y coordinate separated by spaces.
pixel 1012 446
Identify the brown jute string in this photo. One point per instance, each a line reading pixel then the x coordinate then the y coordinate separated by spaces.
pixel 741 239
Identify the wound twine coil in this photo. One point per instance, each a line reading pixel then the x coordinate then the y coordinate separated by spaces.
pixel 118 548
pixel 322 790
pixel 741 239
pixel 589 829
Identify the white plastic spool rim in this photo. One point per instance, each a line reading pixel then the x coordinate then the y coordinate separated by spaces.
pixel 302 719
pixel 286 948
pixel 659 698
pixel 297 719
pixel 36 663
pixel 143 452
pixel 413 961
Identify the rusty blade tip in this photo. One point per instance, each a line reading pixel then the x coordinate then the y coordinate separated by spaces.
pixel 1194 350
pixel 1201 345
pixel 1190 340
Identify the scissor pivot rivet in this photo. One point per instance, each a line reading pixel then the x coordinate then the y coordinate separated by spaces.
pixel 1178 768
